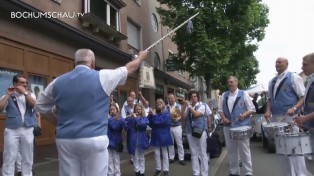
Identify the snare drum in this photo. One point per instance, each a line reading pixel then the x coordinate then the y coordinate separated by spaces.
pixel 241 133
pixel 274 128
pixel 293 144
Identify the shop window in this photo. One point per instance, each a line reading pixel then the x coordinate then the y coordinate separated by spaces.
pixel 115 95
pixel 123 96
pixel 37 84
pixel 6 77
pixel 170 90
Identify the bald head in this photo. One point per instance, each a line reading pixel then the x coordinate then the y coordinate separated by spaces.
pixel 308 64
pixel 309 57
pixel 281 65
pixel 85 57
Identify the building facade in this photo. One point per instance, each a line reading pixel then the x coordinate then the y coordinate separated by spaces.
pixel 38 39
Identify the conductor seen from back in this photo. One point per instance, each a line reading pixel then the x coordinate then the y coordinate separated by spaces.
pixel 80 100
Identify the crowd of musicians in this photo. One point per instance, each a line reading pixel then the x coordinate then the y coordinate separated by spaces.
pixel 90 124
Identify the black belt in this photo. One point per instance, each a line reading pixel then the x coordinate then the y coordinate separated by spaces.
pixel 174 125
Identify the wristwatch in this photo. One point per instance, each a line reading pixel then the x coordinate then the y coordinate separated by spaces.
pixel 294 108
pixel 26 93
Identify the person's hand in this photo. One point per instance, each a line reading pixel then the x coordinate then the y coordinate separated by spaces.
pixel 142 55
pixel 10 90
pixel 267 115
pixel 299 120
pixel 291 111
pixel 226 121
pixel 241 116
pixel 20 89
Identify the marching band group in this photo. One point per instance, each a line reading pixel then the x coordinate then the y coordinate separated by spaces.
pixel 89 143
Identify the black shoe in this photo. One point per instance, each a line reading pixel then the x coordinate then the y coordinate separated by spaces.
pixel 248 175
pixel 137 173
pixel 157 173
pixel 131 162
pixel 171 161
pixel 233 175
pixel 19 174
pixel 182 163
pixel 166 173
pixel 141 174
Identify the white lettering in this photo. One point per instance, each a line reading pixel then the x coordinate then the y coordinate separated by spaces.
pixel 46 15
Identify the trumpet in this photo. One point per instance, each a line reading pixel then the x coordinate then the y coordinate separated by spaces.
pixel 175 114
pixel 11 88
pixel 152 111
pixel 134 115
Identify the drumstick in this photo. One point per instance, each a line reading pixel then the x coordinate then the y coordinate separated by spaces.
pixel 175 29
pixel 284 117
pixel 235 121
pixel 269 121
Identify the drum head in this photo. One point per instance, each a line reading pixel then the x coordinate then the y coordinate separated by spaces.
pixel 242 128
pixel 279 124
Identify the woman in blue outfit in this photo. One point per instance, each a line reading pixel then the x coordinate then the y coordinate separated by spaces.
pixel 137 140
pixel 115 126
pixel 160 137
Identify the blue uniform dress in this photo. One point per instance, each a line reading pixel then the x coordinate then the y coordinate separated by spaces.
pixel 136 133
pixel 114 131
pixel 161 138
pixel 160 124
pixel 115 127
pixel 137 141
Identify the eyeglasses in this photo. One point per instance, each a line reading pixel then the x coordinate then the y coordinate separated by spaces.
pixel 23 82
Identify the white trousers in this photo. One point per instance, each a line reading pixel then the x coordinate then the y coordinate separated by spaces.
pixel 114 163
pixel 139 161
pixel 165 159
pixel 18 163
pixel 198 147
pixel 14 140
pixel 83 156
pixel 176 135
pixel 238 150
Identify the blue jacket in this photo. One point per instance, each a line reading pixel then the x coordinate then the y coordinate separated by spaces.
pixel 115 127
pixel 160 124
pixel 238 108
pixel 14 117
pixel 199 123
pixel 136 133
pixel 285 97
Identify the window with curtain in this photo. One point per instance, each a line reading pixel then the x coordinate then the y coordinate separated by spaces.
pixel 156 61
pixel 104 11
pixel 133 35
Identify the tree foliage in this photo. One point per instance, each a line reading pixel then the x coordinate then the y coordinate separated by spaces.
pixel 223 40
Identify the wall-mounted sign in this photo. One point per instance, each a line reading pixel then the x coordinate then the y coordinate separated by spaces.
pixel 180 93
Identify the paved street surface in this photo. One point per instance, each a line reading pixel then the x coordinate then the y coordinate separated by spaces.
pixel 264 164
pixel 50 167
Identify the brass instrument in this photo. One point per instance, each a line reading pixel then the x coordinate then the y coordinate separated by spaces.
pixel 175 114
